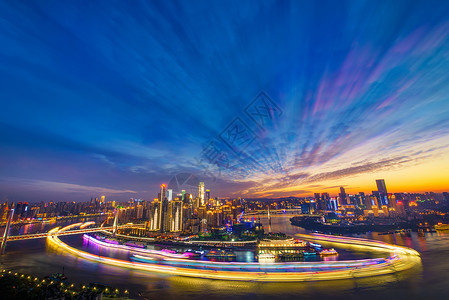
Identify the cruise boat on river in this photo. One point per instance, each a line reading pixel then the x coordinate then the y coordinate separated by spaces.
pixel 441 226
pixel 331 251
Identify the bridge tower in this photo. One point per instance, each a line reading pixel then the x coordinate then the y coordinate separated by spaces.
pixel 114 229
pixel 5 235
pixel 269 219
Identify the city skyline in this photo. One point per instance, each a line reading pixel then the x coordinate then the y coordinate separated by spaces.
pixel 195 191
pixel 100 105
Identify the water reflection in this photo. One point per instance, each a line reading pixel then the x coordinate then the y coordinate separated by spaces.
pixel 430 281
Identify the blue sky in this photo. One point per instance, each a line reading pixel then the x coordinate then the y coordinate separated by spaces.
pixel 116 97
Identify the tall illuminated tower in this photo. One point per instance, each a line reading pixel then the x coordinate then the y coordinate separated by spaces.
pixel 155 216
pixel 201 193
pixel 165 212
pixel 163 194
pixel 176 215
pixel 382 189
pixel 170 194
pixel 343 196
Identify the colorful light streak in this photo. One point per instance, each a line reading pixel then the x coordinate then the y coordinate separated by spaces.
pixel 87 224
pixel 134 249
pixel 371 245
pixel 401 258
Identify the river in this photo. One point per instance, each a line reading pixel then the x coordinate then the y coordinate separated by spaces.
pixel 430 280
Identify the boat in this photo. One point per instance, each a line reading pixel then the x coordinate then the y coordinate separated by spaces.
pixel 288 256
pixel 331 251
pixel 135 244
pixel 191 253
pixel 220 253
pixel 315 245
pixel 267 258
pixel 441 226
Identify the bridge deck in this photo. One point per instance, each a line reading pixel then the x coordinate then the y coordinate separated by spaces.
pixel 68 232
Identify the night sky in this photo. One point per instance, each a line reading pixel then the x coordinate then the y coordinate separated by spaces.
pixel 116 97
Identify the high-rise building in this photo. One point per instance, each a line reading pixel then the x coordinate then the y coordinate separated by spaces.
pixel 352 199
pixel 176 215
pixel 227 213
pixel 183 196
pixel 378 197
pixel 343 200
pixel 381 187
pixel 201 193
pixel 363 199
pixel 319 202
pixel 326 201
pixel 369 201
pixel 217 219
pixel 202 212
pixel 155 215
pixel 165 216
pixel 446 197
pixel 385 210
pixel 139 212
pixel 163 213
pixel 333 204
pixel 207 195
pixel 169 194
pixel 163 193
pixel 392 200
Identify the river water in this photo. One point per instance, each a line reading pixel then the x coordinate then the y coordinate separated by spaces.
pixel 430 280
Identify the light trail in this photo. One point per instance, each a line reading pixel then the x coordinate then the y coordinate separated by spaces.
pixel 12 238
pixel 401 258
pixel 372 245
pixel 134 249
pixel 154 256
pixel 87 224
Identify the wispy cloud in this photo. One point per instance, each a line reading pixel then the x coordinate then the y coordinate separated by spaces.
pixel 124 103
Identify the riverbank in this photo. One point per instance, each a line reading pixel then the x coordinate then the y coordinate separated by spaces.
pixel 313 225
pixel 14 285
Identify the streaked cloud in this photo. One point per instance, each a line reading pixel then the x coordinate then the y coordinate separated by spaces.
pixel 121 97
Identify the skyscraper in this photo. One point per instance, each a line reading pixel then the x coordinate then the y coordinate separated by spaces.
pixel 176 215
pixel 165 216
pixel 362 199
pixel 319 202
pixel 183 196
pixel 343 196
pixel 155 215
pixel 446 197
pixel 325 199
pixel 381 187
pixel 201 193
pixel 163 193
pixel 333 204
pixel 169 194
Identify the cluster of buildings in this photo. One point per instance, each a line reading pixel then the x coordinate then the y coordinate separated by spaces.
pixel 197 212
pixel 379 203
pixel 24 211
pixel 187 213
